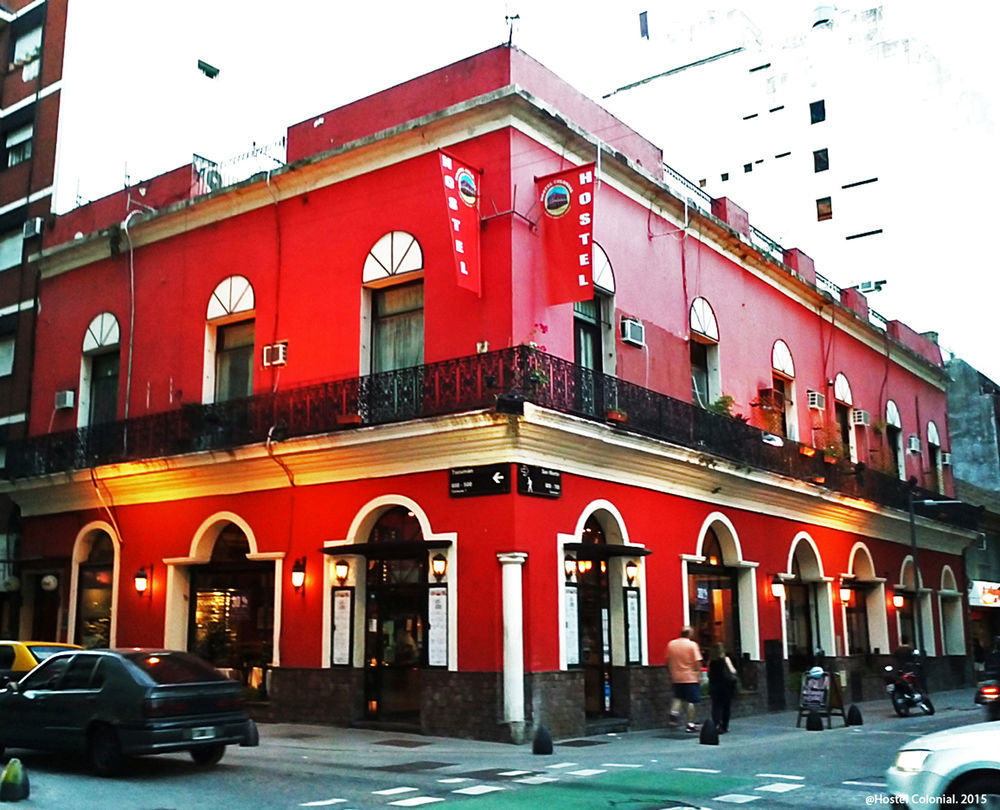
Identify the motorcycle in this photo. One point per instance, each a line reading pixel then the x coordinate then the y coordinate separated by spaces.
pixel 905 692
pixel 988 696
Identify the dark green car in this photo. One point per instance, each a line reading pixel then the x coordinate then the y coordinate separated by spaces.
pixel 113 704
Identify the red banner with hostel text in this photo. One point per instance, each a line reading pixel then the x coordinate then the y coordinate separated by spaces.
pixel 461 195
pixel 567 227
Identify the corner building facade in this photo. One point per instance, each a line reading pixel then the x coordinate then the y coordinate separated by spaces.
pixel 375 494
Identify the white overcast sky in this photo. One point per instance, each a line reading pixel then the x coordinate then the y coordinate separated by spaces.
pixel 283 62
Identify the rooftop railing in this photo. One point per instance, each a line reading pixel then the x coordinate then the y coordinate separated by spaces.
pixel 501 379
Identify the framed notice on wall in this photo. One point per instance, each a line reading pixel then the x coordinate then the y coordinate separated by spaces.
pixel 633 626
pixel 437 629
pixel 343 626
pixel 571 630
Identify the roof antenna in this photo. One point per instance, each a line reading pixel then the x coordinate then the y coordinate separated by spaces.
pixel 510 20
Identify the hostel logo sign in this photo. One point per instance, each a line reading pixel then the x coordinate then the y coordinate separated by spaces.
pixel 461 195
pixel 567 226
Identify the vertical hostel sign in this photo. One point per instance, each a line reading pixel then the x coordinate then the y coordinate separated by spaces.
pixel 567 226
pixel 461 195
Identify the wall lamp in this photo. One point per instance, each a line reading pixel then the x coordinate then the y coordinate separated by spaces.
pixel 898 599
pixel 777 587
pixel 631 571
pixel 439 565
pixel 299 573
pixel 845 592
pixel 143 581
pixel 569 566
pixel 341 569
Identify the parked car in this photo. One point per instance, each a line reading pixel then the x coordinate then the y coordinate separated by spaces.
pixel 18 657
pixel 957 768
pixel 113 704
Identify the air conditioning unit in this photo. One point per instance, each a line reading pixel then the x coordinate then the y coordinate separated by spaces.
pixel 946 459
pixel 276 354
pixel 65 399
pixel 32 228
pixel 913 443
pixel 817 401
pixel 633 332
pixel 860 417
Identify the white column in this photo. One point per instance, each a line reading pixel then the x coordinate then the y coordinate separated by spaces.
pixel 513 636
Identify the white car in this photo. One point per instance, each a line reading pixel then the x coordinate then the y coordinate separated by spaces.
pixel 957 768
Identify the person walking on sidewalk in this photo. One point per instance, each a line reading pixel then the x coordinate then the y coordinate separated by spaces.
pixel 721 685
pixel 684 662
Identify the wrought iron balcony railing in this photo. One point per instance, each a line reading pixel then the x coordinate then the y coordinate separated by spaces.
pixel 509 376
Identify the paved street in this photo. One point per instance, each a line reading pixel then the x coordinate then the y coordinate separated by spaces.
pixel 764 762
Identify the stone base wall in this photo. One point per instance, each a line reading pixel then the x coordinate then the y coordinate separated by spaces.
pixel 470 704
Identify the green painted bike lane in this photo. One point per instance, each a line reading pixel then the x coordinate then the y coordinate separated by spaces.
pixel 623 790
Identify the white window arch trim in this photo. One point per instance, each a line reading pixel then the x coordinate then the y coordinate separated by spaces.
pixel 395 253
pixel 746 578
pixel 950 611
pixel 616 534
pixel 232 300
pixel 781 359
pixel 361 526
pixel 824 594
pixel 861 568
pixel 81 550
pixel 908 581
pixel 702 320
pixel 603 272
pixel 102 335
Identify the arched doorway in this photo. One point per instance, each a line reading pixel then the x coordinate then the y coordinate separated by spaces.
pixel 713 598
pixel 594 600
pixel 231 615
pixel 864 617
pixel 915 622
pixel 807 607
pixel 94 591
pixel 396 616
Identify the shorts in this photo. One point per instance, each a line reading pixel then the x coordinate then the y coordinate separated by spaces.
pixel 688 692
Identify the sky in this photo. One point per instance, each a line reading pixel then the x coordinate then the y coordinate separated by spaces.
pixel 282 63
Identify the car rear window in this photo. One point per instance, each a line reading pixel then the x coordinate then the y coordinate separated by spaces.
pixel 175 667
pixel 43 651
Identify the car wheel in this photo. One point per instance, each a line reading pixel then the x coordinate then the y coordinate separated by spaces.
pixel 979 792
pixel 104 751
pixel 926 706
pixel 208 754
pixel 900 704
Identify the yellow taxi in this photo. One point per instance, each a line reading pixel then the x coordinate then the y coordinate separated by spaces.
pixel 18 657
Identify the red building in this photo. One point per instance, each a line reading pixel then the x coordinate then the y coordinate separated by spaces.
pixel 360 456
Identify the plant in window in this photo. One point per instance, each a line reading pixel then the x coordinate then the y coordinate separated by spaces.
pixel 724 407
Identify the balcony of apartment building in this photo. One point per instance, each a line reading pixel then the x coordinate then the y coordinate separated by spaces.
pixel 502 380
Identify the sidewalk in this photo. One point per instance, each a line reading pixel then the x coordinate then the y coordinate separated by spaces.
pixel 370 747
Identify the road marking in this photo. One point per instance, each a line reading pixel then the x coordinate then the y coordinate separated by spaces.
pixel 537 780
pixel 779 787
pixel 323 803
pixel 394 791
pixel 416 801
pixel 587 772
pixel 618 765
pixel 865 784
pixel 779 776
pixel 478 790
pixel 737 798
pixel 563 765
pixel 454 780
pixel 699 770
pixel 513 773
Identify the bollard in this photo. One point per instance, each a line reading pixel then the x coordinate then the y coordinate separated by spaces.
pixel 709 734
pixel 14 782
pixel 854 716
pixel 814 722
pixel 543 741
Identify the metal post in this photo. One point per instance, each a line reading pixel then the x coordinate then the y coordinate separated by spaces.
pixel 916 579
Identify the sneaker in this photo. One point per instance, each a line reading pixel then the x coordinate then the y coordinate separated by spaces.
pixel 675 720
pixel 692 728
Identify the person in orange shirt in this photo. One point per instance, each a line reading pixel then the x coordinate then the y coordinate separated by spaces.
pixel 684 662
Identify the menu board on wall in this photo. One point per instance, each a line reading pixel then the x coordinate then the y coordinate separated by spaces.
pixel 437 632
pixel 634 629
pixel 572 628
pixel 342 621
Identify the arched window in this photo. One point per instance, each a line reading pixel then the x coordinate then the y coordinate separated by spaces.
pixel 594 330
pixel 894 440
pixel 393 311
pixel 94 593
pixel 935 473
pixel 779 405
pixel 706 385
pixel 229 341
pixel 99 371
pixel 844 428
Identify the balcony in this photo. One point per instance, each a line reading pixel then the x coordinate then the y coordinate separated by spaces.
pixel 504 378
